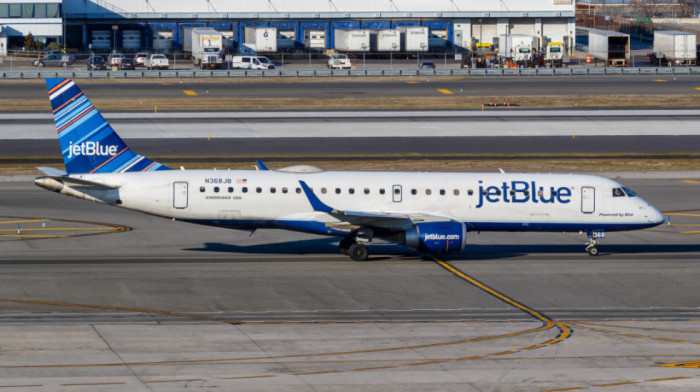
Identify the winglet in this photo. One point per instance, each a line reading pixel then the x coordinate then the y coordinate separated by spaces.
pixel 261 165
pixel 317 204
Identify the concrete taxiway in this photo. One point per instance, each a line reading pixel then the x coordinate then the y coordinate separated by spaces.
pixel 163 305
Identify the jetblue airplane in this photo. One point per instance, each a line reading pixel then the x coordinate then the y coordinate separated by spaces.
pixel 428 212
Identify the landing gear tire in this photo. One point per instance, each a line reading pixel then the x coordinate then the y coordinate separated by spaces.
pixel 358 252
pixel 345 245
pixel 592 250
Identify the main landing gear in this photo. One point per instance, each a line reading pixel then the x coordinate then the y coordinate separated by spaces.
pixel 593 237
pixel 357 251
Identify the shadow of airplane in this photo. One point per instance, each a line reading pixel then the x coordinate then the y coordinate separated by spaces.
pixel 329 246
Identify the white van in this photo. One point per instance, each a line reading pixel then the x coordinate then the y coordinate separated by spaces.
pixel 251 62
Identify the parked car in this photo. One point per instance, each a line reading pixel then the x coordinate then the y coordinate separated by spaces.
pixel 115 58
pixel 140 59
pixel 157 61
pixel 427 65
pixel 54 60
pixel 127 63
pixel 339 61
pixel 96 63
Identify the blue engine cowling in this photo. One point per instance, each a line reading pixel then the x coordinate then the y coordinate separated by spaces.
pixel 437 237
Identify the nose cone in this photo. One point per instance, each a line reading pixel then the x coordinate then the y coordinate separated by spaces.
pixel 655 216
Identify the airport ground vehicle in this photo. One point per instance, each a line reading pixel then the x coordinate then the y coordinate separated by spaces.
pixel 429 212
pixel 127 63
pixel 427 65
pixel 157 61
pixel 251 62
pixel 610 46
pixel 517 49
pixel 96 63
pixel 554 54
pixel 674 48
pixel 205 46
pixel 339 61
pixel 54 60
pixel 115 58
pixel 140 59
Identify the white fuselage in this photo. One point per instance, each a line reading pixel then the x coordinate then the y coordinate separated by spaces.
pixel 483 201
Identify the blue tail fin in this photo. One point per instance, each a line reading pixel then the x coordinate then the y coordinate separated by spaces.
pixel 88 143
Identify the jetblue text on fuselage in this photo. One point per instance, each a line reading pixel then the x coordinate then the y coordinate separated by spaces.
pixel 90 148
pixel 522 192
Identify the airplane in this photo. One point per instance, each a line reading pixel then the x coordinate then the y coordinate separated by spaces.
pixel 430 213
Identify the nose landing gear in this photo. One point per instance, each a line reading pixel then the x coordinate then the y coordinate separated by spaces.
pixel 593 237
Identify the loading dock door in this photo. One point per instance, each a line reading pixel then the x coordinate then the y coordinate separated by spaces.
pixel 180 195
pixel 587 199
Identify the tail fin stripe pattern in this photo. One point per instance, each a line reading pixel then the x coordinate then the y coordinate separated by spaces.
pixel 88 142
pixel 76 118
pixel 107 161
pixel 71 100
pixel 63 83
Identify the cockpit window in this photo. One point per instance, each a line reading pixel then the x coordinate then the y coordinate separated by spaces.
pixel 629 192
pixel 617 192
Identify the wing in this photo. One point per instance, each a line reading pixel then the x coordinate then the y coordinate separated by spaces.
pixel 380 220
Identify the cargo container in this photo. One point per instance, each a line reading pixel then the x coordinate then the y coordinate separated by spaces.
pixel 675 48
pixel 264 39
pixel 352 40
pixel 612 47
pixel 413 38
pixel 385 40
pixel 206 46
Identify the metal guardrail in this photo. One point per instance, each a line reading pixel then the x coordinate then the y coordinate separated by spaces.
pixel 303 73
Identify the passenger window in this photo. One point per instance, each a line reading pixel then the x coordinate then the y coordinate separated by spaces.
pixel 512 192
pixel 337 191
pixel 617 192
pixel 456 192
pixel 230 189
pixel 413 191
pixel 540 193
pixel 298 190
pixel 324 190
pixel 366 191
pixel 442 192
pixel 527 193
pixel 428 192
pixel 216 189
pixel 244 189
pixel 284 190
pixel 397 191
pixel 202 189
pixel 470 192
pixel 554 193
pixel 245 60
pixel 351 191
pixel 273 190
pixel 381 191
pixel 258 189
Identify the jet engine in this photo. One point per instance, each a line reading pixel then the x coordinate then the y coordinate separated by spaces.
pixel 435 237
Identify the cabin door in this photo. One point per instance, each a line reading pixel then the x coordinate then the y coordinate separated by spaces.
pixel 587 199
pixel 180 195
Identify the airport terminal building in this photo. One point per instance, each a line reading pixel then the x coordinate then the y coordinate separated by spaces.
pixel 452 25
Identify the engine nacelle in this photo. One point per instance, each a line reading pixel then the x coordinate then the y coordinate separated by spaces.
pixel 437 237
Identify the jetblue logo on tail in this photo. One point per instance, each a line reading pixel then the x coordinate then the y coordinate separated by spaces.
pixel 91 148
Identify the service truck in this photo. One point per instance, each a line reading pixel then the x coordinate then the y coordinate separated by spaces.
pixel 205 46
pixel 262 39
pixel 516 49
pixel 351 40
pixel 612 47
pixel 413 38
pixel 385 40
pixel 554 54
pixel 674 48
